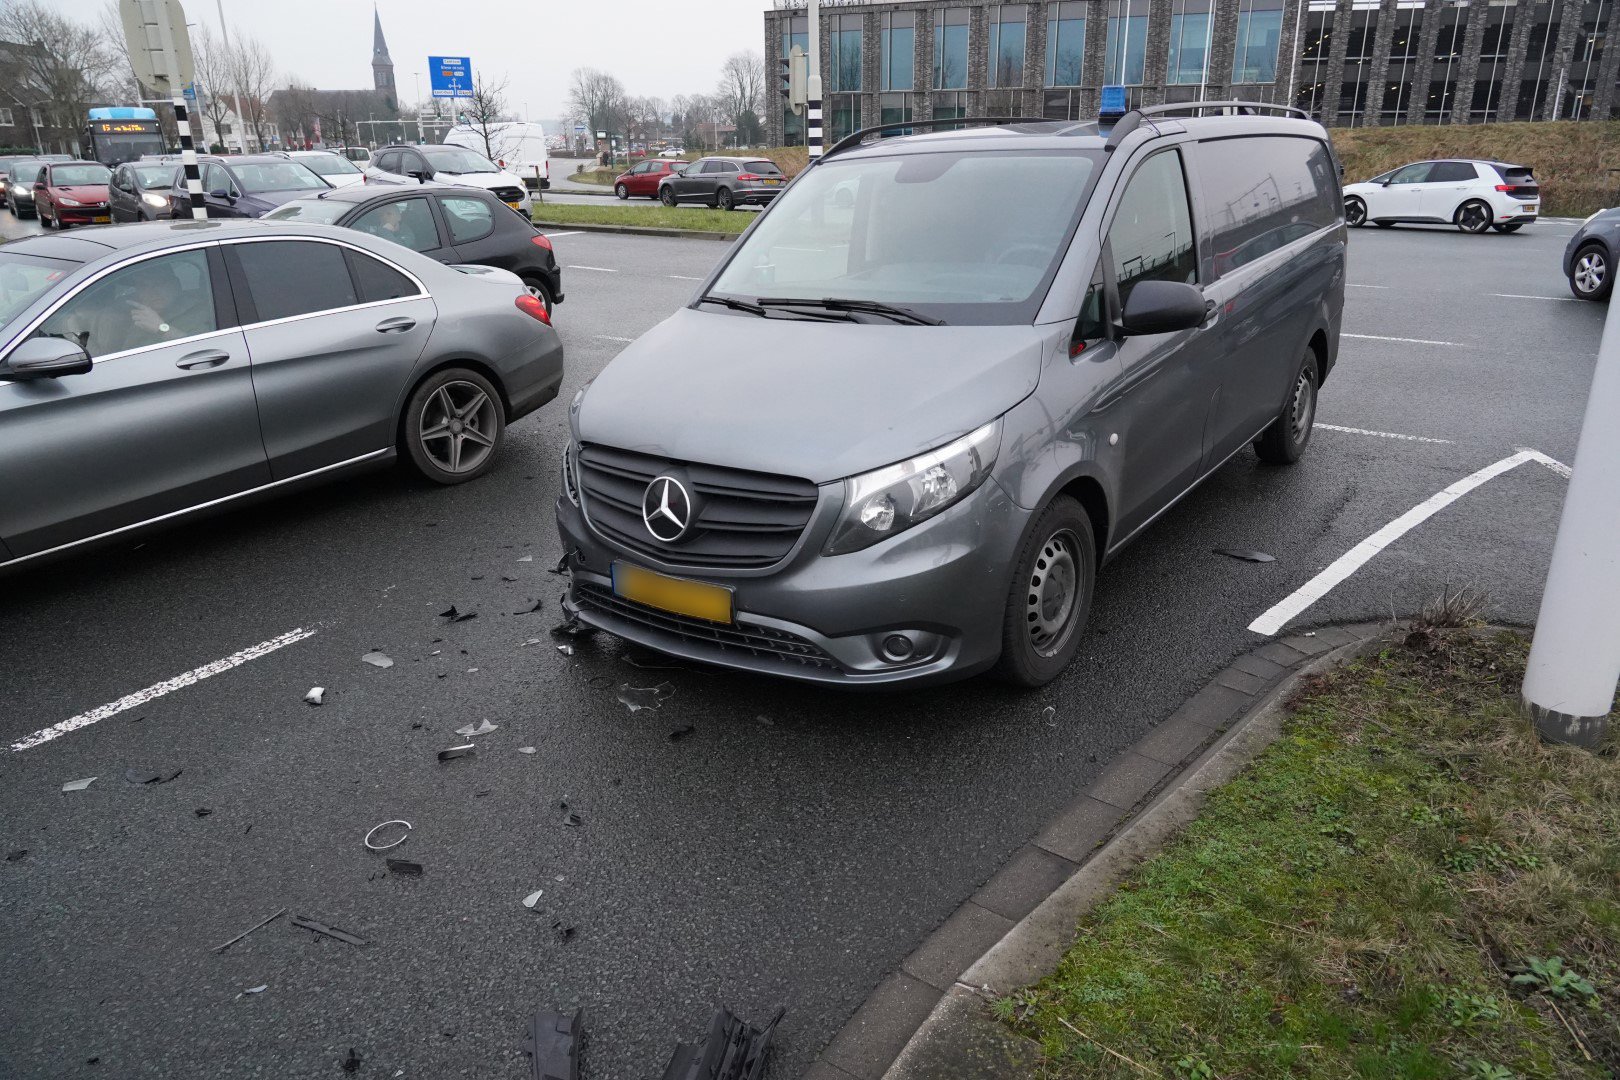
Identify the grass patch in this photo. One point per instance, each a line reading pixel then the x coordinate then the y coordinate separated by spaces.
pixel 694 218
pixel 599 177
pixel 1406 884
pixel 1571 160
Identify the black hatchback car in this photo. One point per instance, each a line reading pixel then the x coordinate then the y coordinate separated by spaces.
pixel 244 185
pixel 139 191
pixel 449 223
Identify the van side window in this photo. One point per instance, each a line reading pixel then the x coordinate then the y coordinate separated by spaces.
pixel 1263 193
pixel 1151 236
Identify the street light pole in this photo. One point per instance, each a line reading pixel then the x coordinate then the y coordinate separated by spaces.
pixel 812 124
pixel 236 96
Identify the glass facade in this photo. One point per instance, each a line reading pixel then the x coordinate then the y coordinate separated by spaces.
pixel 1065 43
pixel 898 34
pixel 1588 56
pixel 1448 46
pixel 1493 56
pixel 1190 28
pixel 950 48
pixel 1540 59
pixel 794 31
pixel 894 109
pixel 844 43
pixel 1259 35
pixel 1125 62
pixel 1007 26
pixel 1404 45
pixel 1353 91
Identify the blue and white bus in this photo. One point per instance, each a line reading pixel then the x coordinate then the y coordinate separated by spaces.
pixel 113 136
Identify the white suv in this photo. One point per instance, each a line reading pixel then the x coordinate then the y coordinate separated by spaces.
pixel 1472 195
pixel 442 164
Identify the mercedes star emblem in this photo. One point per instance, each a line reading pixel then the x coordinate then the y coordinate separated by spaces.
pixel 666 509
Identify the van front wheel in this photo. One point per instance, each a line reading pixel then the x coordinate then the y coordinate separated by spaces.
pixel 1050 596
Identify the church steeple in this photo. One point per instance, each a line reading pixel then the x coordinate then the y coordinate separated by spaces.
pixel 382 66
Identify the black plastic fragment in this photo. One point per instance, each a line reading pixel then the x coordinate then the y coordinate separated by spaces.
pixel 553 1044
pixel 681 732
pixel 16 856
pixel 562 931
pixel 562 563
pixel 732 1050
pixel 148 776
pixel 329 931
pixel 1245 555
pixel 457 752
pixel 352 1062
pixel 202 811
pixel 572 819
pixel 404 866
pixel 457 616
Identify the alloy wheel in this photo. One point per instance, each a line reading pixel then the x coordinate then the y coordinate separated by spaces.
pixel 1591 271
pixel 1474 217
pixel 539 293
pixel 1355 213
pixel 1054 593
pixel 458 427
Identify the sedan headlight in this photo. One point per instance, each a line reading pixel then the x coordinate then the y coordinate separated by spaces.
pixel 890 500
pixel 65 201
pixel 570 472
pixel 157 202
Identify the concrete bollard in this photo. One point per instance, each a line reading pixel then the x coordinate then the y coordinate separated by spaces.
pixel 1570 681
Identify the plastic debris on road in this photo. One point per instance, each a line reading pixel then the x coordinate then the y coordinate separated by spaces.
pixel 733 1049
pixel 525 558
pixel 329 931
pixel 405 866
pixel 483 728
pixel 458 751
pixel 377 659
pixel 249 930
pixel 566 649
pixel 316 695
pixel 1246 556
pixel 352 1062
pixel 562 931
pixel 148 776
pixel 202 811
pixel 457 616
pixel 636 698
pixel 384 847
pixel 553 1045
pixel 538 604
pixel 681 732
pixel 526 750
pixel 16 856
pixel 533 898
pixel 257 989
pixel 78 785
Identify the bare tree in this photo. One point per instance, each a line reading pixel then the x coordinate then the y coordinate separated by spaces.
pixel 597 100
pixel 212 65
pixel 253 74
pixel 742 87
pixel 63 66
pixel 485 111
pixel 644 117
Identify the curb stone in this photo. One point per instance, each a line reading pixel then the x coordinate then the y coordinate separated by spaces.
pixel 634 230
pixel 927 1020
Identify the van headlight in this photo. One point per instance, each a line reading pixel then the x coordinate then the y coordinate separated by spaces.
pixel 890 500
pixel 570 472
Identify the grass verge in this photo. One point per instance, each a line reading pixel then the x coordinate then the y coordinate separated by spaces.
pixel 693 218
pixel 1406 884
pixel 599 177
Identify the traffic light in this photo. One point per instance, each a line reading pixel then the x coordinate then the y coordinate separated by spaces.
pixel 796 79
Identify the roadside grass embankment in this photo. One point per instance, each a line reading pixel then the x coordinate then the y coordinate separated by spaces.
pixel 1406 884
pixel 687 218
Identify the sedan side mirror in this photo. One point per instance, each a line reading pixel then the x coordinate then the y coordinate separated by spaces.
pixel 1385 183
pixel 1163 307
pixel 420 176
pixel 45 358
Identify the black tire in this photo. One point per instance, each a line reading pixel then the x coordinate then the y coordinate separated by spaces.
pixel 44 222
pixel 1473 216
pixel 538 288
pixel 1384 224
pixel 438 457
pixel 666 195
pixel 1284 442
pixel 1591 273
pixel 723 200
pixel 1510 227
pixel 1050 596
pixel 1355 212
pixel 621 191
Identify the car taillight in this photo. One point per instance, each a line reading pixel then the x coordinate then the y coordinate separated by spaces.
pixel 534 307
pixel 540 240
pixel 1507 187
pixel 748 178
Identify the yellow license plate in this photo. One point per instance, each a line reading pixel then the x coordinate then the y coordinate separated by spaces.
pixel 772 183
pixel 515 205
pixel 698 599
pixel 102 219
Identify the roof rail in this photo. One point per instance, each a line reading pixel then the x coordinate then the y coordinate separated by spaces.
pixel 861 136
pixel 1228 108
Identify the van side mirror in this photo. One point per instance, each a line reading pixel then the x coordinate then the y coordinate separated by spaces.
pixel 45 358
pixel 1163 307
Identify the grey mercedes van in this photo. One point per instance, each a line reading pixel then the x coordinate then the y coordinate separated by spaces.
pixel 943 379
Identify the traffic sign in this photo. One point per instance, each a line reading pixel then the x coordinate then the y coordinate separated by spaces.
pixel 143 35
pixel 450 76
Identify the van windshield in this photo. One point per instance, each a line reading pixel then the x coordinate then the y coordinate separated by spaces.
pixel 456 161
pixel 962 236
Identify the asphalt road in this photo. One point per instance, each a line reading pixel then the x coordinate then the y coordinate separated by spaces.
pixel 791 850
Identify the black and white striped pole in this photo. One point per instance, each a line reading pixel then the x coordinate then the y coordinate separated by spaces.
pixel 812 123
pixel 182 119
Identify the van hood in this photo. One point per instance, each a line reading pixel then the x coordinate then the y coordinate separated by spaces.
pixel 815 400
pixel 486 180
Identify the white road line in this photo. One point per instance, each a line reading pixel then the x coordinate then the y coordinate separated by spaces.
pixel 554 235
pixel 598 269
pixel 157 690
pixel 1353 285
pixel 610 337
pixel 1383 434
pixel 1323 583
pixel 1402 340
pixel 1526 296
pixel 685 277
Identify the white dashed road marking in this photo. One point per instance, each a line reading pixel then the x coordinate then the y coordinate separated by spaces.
pixel 684 277
pixel 1526 296
pixel 1382 434
pixel 610 337
pixel 157 690
pixel 1402 340
pixel 598 269
pixel 1353 285
pixel 1319 586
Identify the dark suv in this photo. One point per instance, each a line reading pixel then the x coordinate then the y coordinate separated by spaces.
pixel 907 418
pixel 450 224
pixel 724 182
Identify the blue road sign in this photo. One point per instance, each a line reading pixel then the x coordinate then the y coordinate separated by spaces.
pixel 1113 101
pixel 450 76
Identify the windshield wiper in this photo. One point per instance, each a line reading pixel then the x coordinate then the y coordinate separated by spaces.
pixel 758 309
pixel 866 307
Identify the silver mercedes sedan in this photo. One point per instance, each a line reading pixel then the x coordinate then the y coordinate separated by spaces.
pixel 154 370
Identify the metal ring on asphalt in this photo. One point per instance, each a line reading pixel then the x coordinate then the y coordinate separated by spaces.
pixel 384 825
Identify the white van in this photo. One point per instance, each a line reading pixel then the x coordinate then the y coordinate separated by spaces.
pixel 519 148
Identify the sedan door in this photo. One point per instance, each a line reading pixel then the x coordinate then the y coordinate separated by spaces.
pixel 333 333
pixel 165 420
pixel 408 221
pixel 123 201
pixel 1402 196
pixel 1447 187
pixel 698 181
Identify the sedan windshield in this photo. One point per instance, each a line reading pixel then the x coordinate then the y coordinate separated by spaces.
pixel 24 279
pixel 967 237
pixel 315 211
pixel 27 172
pixel 65 175
pixel 276 176
pixel 329 165
pixel 151 176
pixel 455 160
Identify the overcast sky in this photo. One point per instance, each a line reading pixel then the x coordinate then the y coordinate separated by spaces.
pixel 534 45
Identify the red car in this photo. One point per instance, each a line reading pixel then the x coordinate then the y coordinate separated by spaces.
pixel 72 193
pixel 643 179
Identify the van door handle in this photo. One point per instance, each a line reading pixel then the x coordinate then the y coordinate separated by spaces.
pixel 395 326
pixel 1209 312
pixel 208 359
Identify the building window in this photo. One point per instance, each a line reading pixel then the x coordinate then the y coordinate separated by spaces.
pixel 1061 105
pixel 950 48
pixel 1403 53
pixel 1353 91
pixel 1065 44
pixel 951 105
pixel 1448 46
pixel 898 33
pixel 843 115
pixel 5 118
pixel 1127 42
pixel 1189 42
pixel 1003 103
pixel 1007 46
pixel 894 109
pixel 1259 33
pixel 844 32
pixel 1493 52
pixel 1588 55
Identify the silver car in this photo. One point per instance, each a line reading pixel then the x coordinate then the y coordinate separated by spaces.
pixel 942 379
pixel 148 371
